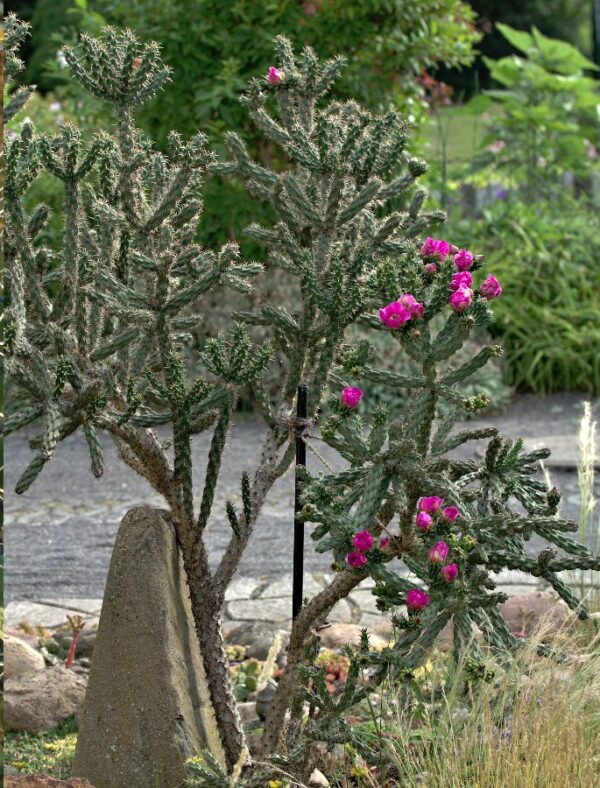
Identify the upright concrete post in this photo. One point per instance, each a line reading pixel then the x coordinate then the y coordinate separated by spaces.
pixel 147 705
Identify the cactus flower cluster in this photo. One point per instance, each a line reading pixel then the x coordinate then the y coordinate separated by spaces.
pixel 431 507
pixel 461 284
pixel 398 313
pixel 362 542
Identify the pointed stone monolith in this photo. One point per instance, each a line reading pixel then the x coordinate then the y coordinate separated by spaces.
pixel 147 706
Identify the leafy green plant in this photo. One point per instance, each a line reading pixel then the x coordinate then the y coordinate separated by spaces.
pixel 245 677
pixel 48 753
pixel 549 120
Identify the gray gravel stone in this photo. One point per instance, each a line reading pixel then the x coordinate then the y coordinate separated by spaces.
pixel 278 610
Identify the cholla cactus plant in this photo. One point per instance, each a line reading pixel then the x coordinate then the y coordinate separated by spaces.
pixel 96 341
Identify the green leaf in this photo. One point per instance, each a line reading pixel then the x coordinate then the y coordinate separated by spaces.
pixel 520 39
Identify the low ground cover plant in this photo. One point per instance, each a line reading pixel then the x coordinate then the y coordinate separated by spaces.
pixel 97 340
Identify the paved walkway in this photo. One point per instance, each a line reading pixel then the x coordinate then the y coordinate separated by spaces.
pixel 59 535
pixel 248 599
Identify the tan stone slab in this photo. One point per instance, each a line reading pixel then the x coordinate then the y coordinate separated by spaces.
pixel 38 614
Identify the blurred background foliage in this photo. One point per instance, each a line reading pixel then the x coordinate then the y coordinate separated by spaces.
pixel 502 99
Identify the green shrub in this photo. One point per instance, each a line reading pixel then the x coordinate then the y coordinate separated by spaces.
pixel 548 124
pixel 548 260
pixel 215 46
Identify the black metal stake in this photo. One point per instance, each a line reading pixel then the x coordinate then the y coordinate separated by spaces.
pixel 298 570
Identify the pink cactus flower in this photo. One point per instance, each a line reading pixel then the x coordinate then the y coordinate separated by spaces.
pixel 438 553
pixel 496 146
pixel 275 76
pixel 362 541
pixel 450 513
pixel 461 299
pixel 356 559
pixel 431 269
pixel 351 396
pixel 409 302
pixel 384 543
pixel 490 288
pixel 395 315
pixel 463 260
pixel 449 573
pixel 461 279
pixel 434 247
pixel 430 504
pixel 424 521
pixel 417 599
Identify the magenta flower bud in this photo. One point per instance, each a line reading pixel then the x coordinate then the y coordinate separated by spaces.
pixel 430 504
pixel 438 553
pixel 409 302
pixel 424 521
pixel 461 279
pixel 395 315
pixel 463 260
pixel 384 543
pixel 461 299
pixel 490 288
pixel 417 599
pixel 449 572
pixel 351 396
pixel 275 76
pixel 356 559
pixel 434 247
pixel 450 513
pixel 362 541
pixel 431 269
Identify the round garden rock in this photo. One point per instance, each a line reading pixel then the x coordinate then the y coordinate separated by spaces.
pixel 20 658
pixel 525 612
pixel 41 700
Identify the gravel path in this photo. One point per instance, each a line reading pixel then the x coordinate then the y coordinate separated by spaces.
pixel 60 534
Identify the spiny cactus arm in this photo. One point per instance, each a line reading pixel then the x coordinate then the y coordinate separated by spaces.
pixel 118 69
pixel 20 165
pixel 215 457
pixel 149 456
pixel 14 33
pixel 441 446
